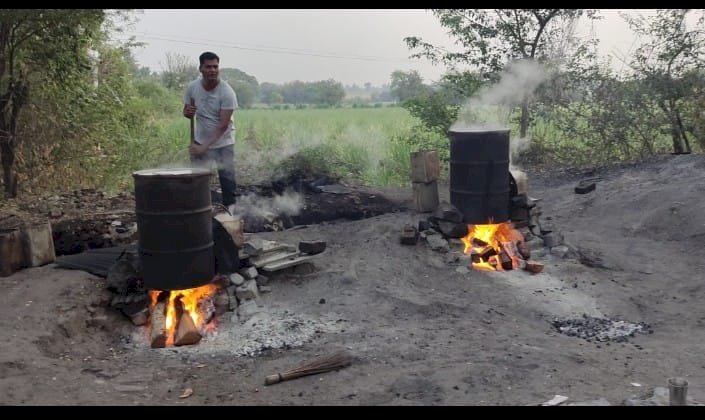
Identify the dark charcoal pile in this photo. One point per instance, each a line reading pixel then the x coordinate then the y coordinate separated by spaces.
pixel 600 329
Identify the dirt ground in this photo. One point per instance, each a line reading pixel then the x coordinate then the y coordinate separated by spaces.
pixel 422 331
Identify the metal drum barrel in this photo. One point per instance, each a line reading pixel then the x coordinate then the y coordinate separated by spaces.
pixel 174 220
pixel 479 175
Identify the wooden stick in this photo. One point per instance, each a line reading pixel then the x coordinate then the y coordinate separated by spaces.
pixel 193 129
pixel 319 365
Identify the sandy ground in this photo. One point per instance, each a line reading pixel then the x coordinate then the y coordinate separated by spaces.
pixel 422 331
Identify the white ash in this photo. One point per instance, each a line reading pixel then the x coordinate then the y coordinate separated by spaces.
pixel 267 329
pixel 600 329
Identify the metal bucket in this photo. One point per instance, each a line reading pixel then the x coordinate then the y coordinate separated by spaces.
pixel 174 219
pixel 479 175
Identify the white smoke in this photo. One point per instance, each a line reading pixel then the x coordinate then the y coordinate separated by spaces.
pixel 289 203
pixel 490 108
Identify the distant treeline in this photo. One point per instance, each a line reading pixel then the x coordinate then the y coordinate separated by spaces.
pixel 325 93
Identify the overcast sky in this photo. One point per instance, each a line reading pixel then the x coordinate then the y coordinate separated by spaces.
pixel 350 46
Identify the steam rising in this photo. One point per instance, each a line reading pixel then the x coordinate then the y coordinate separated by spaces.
pixel 490 108
pixel 252 205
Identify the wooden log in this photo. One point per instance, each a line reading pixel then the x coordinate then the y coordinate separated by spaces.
pixel 12 255
pixel 158 334
pixel 425 166
pixel 487 252
pixel 479 242
pixel 475 257
pixel 186 331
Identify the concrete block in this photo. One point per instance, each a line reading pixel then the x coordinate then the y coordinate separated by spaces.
pixel 425 196
pixel 38 244
pixel 425 166
pixel 12 255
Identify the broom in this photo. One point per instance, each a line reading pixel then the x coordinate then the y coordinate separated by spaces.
pixel 320 364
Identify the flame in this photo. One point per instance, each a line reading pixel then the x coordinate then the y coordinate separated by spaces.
pixel 190 299
pixel 480 237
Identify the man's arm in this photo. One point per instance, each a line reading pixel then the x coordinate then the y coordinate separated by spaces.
pixel 225 115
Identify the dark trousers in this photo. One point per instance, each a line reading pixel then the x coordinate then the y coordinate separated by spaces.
pixel 224 158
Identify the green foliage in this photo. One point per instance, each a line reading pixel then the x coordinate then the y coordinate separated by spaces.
pixel 434 110
pixel 321 93
pixel 670 63
pixel 40 50
pixel 180 71
pixel 161 100
pixel 246 86
pixel 406 85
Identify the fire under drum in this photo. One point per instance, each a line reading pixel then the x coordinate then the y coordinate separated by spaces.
pixel 479 175
pixel 174 219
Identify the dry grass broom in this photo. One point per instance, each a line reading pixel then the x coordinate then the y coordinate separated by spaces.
pixel 320 364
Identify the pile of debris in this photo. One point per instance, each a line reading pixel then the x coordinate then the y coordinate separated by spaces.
pixel 600 329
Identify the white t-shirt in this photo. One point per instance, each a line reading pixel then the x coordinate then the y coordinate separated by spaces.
pixel 209 104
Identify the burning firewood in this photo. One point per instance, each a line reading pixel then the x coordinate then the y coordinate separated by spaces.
pixel 186 331
pixel 158 335
pixel 479 242
pixel 487 252
pixel 505 260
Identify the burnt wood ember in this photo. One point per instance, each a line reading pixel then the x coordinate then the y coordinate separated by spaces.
pixel 479 242
pixel 505 260
pixel 487 252
pixel 584 187
pixel 312 247
pixel 475 257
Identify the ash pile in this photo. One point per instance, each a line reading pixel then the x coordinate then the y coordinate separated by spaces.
pixel 601 329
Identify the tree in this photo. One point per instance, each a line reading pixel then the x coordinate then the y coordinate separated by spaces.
pixel 245 86
pixel 406 85
pixel 51 42
pixel 328 92
pixel 270 93
pixel 179 71
pixel 491 38
pixel 671 62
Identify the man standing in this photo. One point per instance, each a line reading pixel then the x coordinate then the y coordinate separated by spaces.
pixel 212 101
